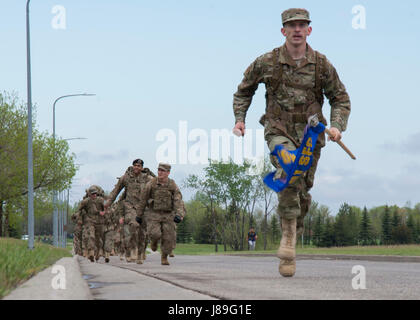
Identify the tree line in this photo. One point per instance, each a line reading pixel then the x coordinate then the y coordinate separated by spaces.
pixel 53 167
pixel 228 201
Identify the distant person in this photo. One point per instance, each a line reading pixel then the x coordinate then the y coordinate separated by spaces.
pixel 252 238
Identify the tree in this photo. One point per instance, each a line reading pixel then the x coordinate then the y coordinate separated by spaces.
pixel 411 229
pixel 274 228
pixel 318 231
pixel 328 238
pixel 386 227
pixel 53 166
pixel 365 235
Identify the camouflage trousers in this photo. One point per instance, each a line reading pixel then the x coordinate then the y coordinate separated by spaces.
pixel 109 240
pixel 294 201
pixel 118 240
pixel 77 239
pixel 161 226
pixel 131 228
pixel 99 239
pixel 88 237
pixel 142 236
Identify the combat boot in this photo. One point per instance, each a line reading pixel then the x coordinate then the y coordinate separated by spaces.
pixel 91 255
pixel 171 254
pixel 85 253
pixel 106 257
pixel 154 245
pixel 133 255
pixel 164 260
pixel 143 256
pixel 112 252
pixel 287 250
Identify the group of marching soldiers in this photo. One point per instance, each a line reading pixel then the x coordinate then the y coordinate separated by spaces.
pixel 147 211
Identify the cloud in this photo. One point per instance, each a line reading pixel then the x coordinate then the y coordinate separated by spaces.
pixel 396 186
pixel 410 144
pixel 86 157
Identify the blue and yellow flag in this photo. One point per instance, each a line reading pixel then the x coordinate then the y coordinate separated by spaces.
pixel 294 163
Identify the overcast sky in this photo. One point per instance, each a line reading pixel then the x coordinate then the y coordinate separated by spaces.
pixel 165 70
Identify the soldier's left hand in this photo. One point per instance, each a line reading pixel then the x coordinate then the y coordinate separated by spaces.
pixel 336 134
pixel 102 213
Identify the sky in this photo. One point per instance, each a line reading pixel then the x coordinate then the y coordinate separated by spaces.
pixel 164 74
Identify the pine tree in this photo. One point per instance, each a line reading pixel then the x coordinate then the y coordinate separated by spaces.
pixel 274 228
pixel 318 230
pixel 386 227
pixel 327 239
pixel 411 229
pixel 365 235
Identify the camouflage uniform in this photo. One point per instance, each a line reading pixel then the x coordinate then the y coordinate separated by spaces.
pixel 184 212
pixel 92 225
pixel 293 92
pixel 132 232
pixel 77 233
pixel 165 202
pixel 110 220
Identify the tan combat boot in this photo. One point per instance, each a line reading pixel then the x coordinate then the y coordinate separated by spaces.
pixel 106 257
pixel 133 255
pixel 121 256
pixel 164 260
pixel 171 254
pixel 91 255
pixel 143 255
pixel 287 251
pixel 85 253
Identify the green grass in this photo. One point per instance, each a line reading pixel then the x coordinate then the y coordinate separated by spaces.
pixel 400 250
pixel 18 263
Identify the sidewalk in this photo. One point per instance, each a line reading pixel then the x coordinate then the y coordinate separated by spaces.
pixel 61 281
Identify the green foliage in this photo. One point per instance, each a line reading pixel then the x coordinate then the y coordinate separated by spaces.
pixel 365 235
pixel 386 227
pixel 53 166
pixel 18 263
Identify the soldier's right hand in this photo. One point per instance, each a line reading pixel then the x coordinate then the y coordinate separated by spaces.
pixel 121 220
pixel 239 129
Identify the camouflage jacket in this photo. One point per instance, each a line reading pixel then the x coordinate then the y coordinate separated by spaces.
pixel 298 88
pixel 161 197
pixel 89 209
pixel 133 185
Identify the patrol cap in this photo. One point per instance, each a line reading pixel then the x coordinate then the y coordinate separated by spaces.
pixel 164 166
pixel 295 14
pixel 93 190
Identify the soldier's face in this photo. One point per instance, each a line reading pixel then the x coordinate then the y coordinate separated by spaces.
pixel 93 196
pixel 296 32
pixel 162 174
pixel 137 168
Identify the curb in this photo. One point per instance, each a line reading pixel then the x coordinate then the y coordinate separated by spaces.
pixel 40 287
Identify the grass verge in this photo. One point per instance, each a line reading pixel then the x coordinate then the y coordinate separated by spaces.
pixel 18 263
pixel 400 250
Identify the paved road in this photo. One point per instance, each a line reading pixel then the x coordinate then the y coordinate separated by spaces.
pixel 249 278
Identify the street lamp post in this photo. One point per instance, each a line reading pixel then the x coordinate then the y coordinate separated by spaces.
pixel 30 156
pixel 55 211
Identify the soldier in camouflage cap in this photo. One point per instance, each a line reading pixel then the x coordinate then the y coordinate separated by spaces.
pixel 166 207
pixel 296 78
pixel 133 181
pixel 91 208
